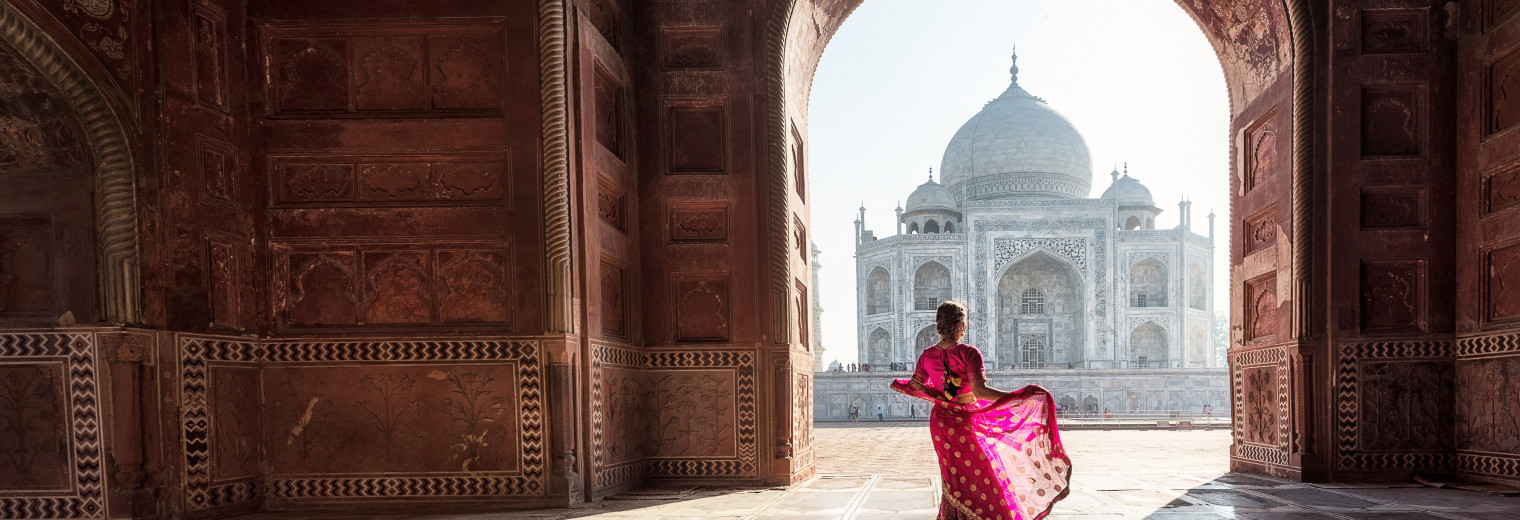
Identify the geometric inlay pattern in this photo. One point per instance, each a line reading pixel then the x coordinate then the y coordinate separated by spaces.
pixel 86 497
pixel 1348 401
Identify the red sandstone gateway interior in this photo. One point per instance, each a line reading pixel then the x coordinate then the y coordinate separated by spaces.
pixel 282 254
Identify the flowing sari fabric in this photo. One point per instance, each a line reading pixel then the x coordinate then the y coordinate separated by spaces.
pixel 1000 460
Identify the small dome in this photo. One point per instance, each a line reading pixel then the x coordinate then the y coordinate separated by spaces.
pixel 931 195
pixel 1129 192
pixel 1017 146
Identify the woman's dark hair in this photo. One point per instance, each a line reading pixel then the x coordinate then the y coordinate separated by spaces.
pixel 950 316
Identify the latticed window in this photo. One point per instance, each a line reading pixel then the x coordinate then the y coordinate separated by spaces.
pixel 1140 299
pixel 1032 302
pixel 1032 352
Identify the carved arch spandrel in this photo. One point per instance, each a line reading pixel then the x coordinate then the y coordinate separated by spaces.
pixel 116 227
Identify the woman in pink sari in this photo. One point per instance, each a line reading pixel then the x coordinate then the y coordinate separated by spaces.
pixel 1000 455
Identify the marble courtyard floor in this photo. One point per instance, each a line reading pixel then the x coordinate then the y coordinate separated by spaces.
pixel 872 470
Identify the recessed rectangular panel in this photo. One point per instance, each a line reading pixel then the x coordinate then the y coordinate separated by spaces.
pixel 1393 295
pixel 1393 120
pixel 1260 230
pixel 1501 190
pixel 1502 282
pixel 1261 308
pixel 696 139
pixel 35 440
pixel 702 308
pixel 1501 92
pixel 1395 31
pixel 1393 208
pixel 1260 151
pixel 699 222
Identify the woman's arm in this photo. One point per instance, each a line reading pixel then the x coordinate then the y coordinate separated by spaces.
pixel 982 391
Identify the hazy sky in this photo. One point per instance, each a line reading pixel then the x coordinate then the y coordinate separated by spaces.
pixel 1136 77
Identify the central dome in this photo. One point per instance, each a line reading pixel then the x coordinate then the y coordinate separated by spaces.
pixel 1017 146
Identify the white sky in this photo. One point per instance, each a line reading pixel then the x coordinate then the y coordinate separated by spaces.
pixel 1136 77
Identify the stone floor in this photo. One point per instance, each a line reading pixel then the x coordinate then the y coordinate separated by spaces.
pixel 887 470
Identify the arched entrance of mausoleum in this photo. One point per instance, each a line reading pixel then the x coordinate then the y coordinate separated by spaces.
pixel 1272 53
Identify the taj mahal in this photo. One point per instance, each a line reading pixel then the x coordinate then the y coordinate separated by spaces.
pixel 1076 288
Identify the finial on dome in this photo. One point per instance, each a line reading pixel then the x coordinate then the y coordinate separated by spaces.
pixel 1126 168
pixel 1013 69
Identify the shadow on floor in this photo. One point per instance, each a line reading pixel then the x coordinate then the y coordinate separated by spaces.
pixel 1251 497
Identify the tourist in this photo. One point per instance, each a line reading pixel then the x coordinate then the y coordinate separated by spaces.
pixel 880 414
pixel 978 431
pixel 1107 415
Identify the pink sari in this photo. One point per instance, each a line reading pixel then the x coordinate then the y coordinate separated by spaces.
pixel 1000 460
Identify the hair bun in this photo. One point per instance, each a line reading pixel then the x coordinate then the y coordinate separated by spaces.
pixel 949 317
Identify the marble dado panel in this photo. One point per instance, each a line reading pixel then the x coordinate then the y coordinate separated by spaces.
pixel 1488 406
pixel 459 418
pixel 51 452
pixel 1261 405
pixel 671 414
pixel 1395 406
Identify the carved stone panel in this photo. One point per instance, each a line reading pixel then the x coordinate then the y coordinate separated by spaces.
pixel 692 414
pixel 465 71
pixel 431 418
pixel 1406 406
pixel 224 280
pixel 34 448
pixel 803 317
pixel 348 284
pixel 1260 388
pixel 209 39
pixel 1261 151
pixel 322 289
pixel 1393 208
pixel 698 222
pixel 1393 120
pixel 1502 278
pixel 309 74
pixel 702 309
pixel 1502 92
pixel 388 74
pixel 696 141
pixel 800 238
pixel 1501 191
pixel 612 206
pixel 235 443
pixel 26 265
pixel 1395 31
pixel 1260 230
pixel 614 305
pixel 399 287
pixel 607 111
pixel 1261 308
pixel 1488 405
pixel 473 284
pixel 1393 295
pixel 693 47
pixel 218 169
pixel 407 68
pixel 335 179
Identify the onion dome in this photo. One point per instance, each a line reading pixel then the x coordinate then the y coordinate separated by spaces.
pixel 931 195
pixel 1129 192
pixel 1017 146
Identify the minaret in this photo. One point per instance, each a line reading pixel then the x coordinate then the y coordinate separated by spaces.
pixel 899 217
pixel 1182 214
pixel 860 225
pixel 818 348
pixel 1211 226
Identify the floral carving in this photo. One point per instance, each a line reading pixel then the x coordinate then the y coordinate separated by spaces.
pixel 474 410
pixel 32 424
pixel 1261 405
pixel 694 416
pixel 390 410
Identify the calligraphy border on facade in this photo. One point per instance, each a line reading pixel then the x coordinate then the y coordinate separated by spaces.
pixel 1099 259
